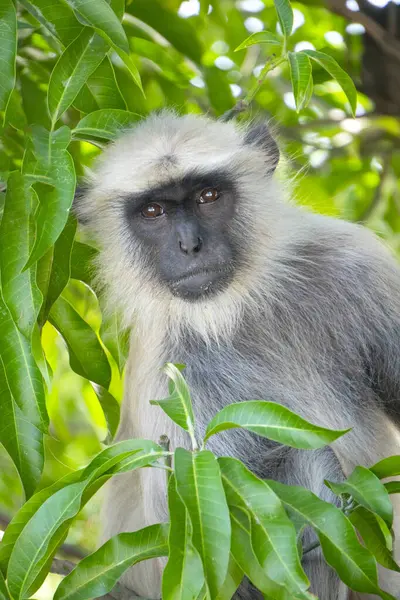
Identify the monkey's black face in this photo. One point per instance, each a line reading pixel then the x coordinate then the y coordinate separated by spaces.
pixel 184 228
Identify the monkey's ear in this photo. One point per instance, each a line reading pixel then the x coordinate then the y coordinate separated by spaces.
pixel 260 136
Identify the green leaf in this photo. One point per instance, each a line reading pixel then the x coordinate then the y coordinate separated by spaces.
pixel 47 160
pixel 32 544
pixel 56 16
pixel 374 533
pixel 4 594
pixel 130 65
pixel 54 268
pixel 260 37
pixel 301 76
pixel 103 19
pixel 354 564
pixel 219 91
pixel 87 357
pixel 336 72
pixel 72 70
pixel 198 481
pixel 273 534
pixel 105 124
pixel 8 50
pixel 273 421
pixel 19 289
pixel 115 339
pixel 98 573
pixel 285 16
pixel 388 467
pixel 82 260
pixel 179 32
pixel 110 407
pixel 233 580
pixel 178 406
pixel 393 487
pixel 368 491
pixel 183 576
pixel 104 87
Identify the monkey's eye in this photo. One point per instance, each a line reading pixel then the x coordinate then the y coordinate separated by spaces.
pixel 152 210
pixel 208 195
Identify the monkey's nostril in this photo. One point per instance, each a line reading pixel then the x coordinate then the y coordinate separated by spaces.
pixel 191 248
pixel 197 248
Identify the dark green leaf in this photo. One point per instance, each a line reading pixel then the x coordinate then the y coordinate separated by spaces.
pixel 368 491
pixel 82 262
pixel 219 92
pixel 87 357
pixel 260 37
pixel 285 16
pixel 354 564
pixel 393 487
pixel 104 87
pixel 104 20
pixel 130 65
pixel 233 580
pixel 374 533
pixel 4 594
pixel 273 534
pixel 115 339
pixel 183 576
pixel 301 76
pixel 56 17
pixel 110 407
pixel 198 481
pixel 8 50
pixel 336 72
pixel 388 467
pixel 98 573
pixel 105 124
pixel 273 421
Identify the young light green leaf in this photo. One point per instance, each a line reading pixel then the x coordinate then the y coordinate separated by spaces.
pixel 301 76
pixel 19 289
pixel 272 531
pixel 388 467
pixel 47 160
pixel 336 72
pixel 178 406
pixel 8 50
pixel 54 268
pixel 103 19
pixel 75 65
pixel 368 491
pixel 260 37
pixel 87 357
pixel 374 533
pixel 354 564
pixel 285 16
pixel 273 421
pixel 104 124
pixel 183 576
pixel 198 481
pixel 115 338
pixel 97 574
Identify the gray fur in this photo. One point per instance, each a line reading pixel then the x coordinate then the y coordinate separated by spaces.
pixel 310 320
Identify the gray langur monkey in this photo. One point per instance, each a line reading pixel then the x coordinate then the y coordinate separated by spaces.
pixel 259 298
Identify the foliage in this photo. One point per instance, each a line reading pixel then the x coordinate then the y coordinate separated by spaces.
pixel 74 74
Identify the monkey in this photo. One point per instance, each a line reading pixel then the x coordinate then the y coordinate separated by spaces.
pixel 214 266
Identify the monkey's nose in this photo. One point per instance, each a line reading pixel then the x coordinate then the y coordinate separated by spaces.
pixel 191 247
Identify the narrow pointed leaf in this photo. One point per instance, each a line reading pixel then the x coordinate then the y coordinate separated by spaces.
pixel 354 564
pixel 8 50
pixel 276 548
pixel 103 19
pixel 260 37
pixel 78 61
pixel 368 491
pixel 105 124
pixel 233 580
pixel 301 76
pixel 56 16
pixel 178 406
pixel 87 357
pixel 273 421
pixel 111 409
pixel 130 65
pixel 393 487
pixel 4 593
pixel 183 576
pixel 98 573
pixel 198 481
pixel 104 87
pixel 285 16
pixel 336 72
pixel 388 467
pixel 374 533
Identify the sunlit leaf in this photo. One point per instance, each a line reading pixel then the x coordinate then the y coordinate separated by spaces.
pixel 301 76
pixel 388 467
pixel 198 481
pixel 285 16
pixel 104 20
pixel 56 16
pixel 260 37
pixel 368 491
pixel 105 124
pixel 374 533
pixel 183 576
pixel 115 338
pixel 273 421
pixel 336 72
pixel 97 574
pixel 8 50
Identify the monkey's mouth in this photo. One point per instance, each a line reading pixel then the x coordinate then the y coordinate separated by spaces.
pixel 201 282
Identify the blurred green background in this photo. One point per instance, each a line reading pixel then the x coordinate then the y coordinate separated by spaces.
pixel 348 168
